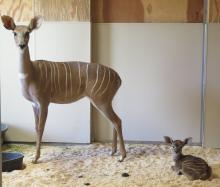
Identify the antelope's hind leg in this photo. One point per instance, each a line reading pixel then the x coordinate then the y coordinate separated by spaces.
pixel 114 142
pixel 108 112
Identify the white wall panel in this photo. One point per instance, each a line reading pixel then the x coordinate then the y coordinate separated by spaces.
pixel 58 41
pixel 160 66
pixel 212 105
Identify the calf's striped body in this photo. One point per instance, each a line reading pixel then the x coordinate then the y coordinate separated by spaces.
pixel 44 82
pixel 192 167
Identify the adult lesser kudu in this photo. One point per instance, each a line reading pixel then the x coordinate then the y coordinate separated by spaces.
pixel 44 82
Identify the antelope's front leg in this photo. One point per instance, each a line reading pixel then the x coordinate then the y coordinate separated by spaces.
pixel 36 115
pixel 40 118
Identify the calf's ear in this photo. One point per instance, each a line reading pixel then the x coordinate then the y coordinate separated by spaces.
pixel 187 140
pixel 168 140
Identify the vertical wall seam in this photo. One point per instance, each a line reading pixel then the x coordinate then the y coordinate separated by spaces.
pixel 91 59
pixel 204 70
pixel 35 45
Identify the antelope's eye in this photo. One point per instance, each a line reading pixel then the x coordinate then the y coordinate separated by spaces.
pixel 15 34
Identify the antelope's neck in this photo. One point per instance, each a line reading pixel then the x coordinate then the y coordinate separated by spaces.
pixel 25 65
pixel 177 156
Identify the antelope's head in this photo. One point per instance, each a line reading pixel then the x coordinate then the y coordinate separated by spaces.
pixel 177 145
pixel 21 32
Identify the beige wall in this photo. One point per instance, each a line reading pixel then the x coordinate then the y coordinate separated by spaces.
pixel 212 104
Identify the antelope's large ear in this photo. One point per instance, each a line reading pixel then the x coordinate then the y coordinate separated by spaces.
pixel 35 22
pixel 8 22
pixel 168 140
pixel 187 141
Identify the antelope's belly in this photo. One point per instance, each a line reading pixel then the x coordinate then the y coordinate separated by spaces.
pixel 63 99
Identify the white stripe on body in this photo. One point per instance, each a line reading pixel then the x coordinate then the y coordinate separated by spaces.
pixel 115 78
pixel 103 79
pixel 71 83
pixel 109 78
pixel 58 76
pixel 45 67
pixel 51 77
pixel 39 64
pixel 87 75
pixel 66 78
pixel 114 75
pixel 54 68
pixel 97 78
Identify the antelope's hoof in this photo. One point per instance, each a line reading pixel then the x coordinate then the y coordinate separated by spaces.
pixel 122 158
pixel 113 152
pixel 34 161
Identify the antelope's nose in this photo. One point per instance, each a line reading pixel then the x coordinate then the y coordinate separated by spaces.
pixel 22 46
